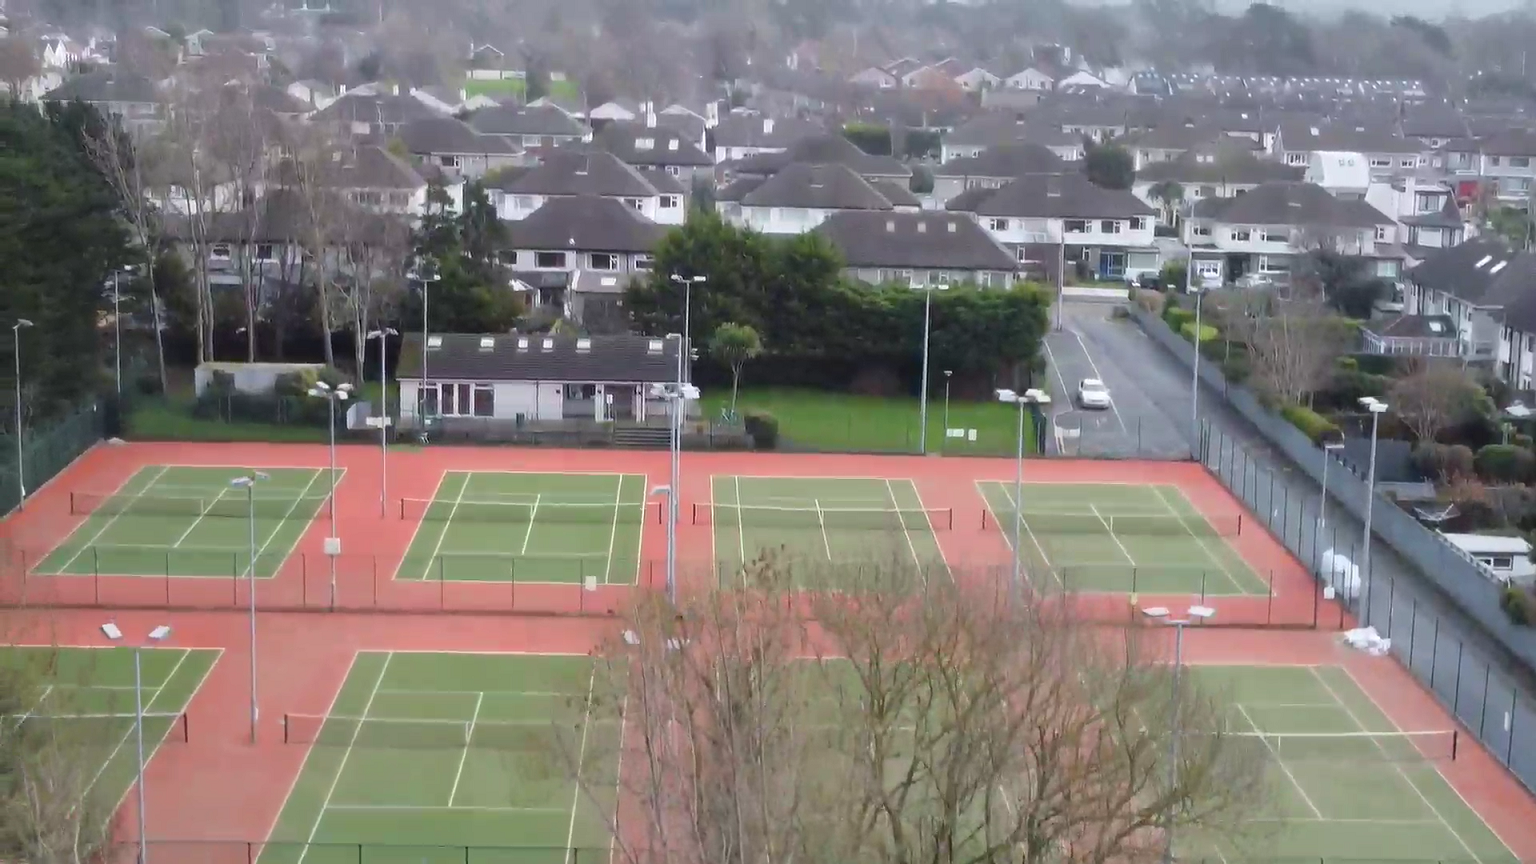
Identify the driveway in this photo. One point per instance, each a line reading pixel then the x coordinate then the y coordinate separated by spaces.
pixel 1148 390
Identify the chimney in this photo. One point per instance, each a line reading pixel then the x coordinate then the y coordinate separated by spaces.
pixel 650 117
pixel 767 125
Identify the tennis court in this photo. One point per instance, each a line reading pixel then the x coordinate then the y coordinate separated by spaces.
pixel 1122 538
pixel 180 520
pixel 424 754
pixel 504 526
pixel 1349 784
pixel 85 705
pixel 828 526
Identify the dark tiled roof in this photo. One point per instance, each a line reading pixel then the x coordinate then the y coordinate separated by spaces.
pixel 1483 271
pixel 1413 326
pixel 371 167
pixel 989 130
pixel 896 193
pixel 927 241
pixel 587 173
pixel 1449 216
pixel 1068 196
pixel 738 188
pixel 1291 203
pixel 667 146
pixel 1221 164
pixel 1005 160
pixel 588 224
pixel 446 135
pixel 620 359
pixel 1510 142
pixel 824 187
pixel 1356 138
pixel 371 108
pixel 544 120
pixel 824 149
pixel 105 86
pixel 750 130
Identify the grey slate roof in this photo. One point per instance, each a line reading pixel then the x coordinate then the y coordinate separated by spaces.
pixel 737 189
pixel 824 149
pixel 107 85
pixel 374 108
pixel 750 130
pixel 826 187
pixel 1413 327
pixel 587 173
pixel 1353 138
pixel 668 146
pixel 1291 203
pixel 1067 196
pixel 1449 216
pixel 1222 164
pixel 1510 142
pixel 896 193
pixel 449 136
pixel 989 130
pixel 519 357
pixel 586 223
pixel 1483 271
pixel 1005 160
pixel 545 120
pixel 926 241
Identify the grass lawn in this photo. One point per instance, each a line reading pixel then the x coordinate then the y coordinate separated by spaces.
pixel 821 420
pixel 172 420
pixel 494 87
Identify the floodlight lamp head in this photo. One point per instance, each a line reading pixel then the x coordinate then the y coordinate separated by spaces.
pixel 345 387
pixel 659 491
pixel 111 631
pixel 1037 397
pixel 22 322
pixel 688 391
pixel 1006 395
pixel 1201 613
pixel 160 633
pixel 1156 612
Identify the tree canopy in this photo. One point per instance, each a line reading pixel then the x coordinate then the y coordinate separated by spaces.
pixel 1109 166
pixel 457 252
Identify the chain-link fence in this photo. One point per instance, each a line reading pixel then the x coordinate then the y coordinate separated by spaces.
pixel 46 450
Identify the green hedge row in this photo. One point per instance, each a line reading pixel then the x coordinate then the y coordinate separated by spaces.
pixel 1317 427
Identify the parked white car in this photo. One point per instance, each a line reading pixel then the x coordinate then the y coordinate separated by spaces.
pixel 1091 393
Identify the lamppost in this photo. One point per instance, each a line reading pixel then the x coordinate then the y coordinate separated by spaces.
pixel 248 483
pixel 21 471
pixel 159 634
pixel 947 373
pixel 1028 397
pixel 332 396
pixel 426 276
pixel 383 335
pixel 1190 287
pixel 922 435
pixel 677 395
pixel 1195 615
pixel 1322 504
pixel 117 327
pixel 1377 408
pixel 688 282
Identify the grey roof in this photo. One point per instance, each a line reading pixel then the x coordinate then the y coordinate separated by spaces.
pixel 282 216
pixel 277 100
pixel 1005 160
pixel 1291 203
pixel 664 183
pixel 447 135
pixel 587 173
pixel 825 187
pixel 667 146
pixel 543 120
pixel 989 130
pixel 1510 142
pixel 768 133
pixel 1219 163
pixel 1176 136
pixel 737 189
pixel 1449 216
pixel 1068 196
pixel 824 149
pixel 586 223
pixel 107 85
pixel 928 241
pixel 1483 271
pixel 524 357
pixel 896 193
pixel 1352 138
pixel 689 124
pixel 371 167
pixel 374 108
pixel 1413 327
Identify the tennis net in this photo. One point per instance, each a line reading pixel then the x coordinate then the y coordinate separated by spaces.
pixel 830 518
pixel 211 506
pixel 1434 746
pixel 409 734
pixel 1130 524
pixel 88 729
pixel 609 513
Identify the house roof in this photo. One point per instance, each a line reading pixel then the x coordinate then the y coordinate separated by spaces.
pixel 824 187
pixel 543 120
pixel 447 135
pixel 568 173
pixel 1220 163
pixel 988 130
pixel 896 193
pixel 107 85
pixel 1176 136
pixel 639 144
pixel 824 149
pixel 1510 142
pixel 1483 271
pixel 374 108
pixel 738 188
pixel 282 216
pixel 371 167
pixel 587 223
pixel 1449 216
pixel 1413 327
pixel 769 133
pixel 927 241
pixel 540 357
pixel 277 100
pixel 1291 203
pixel 1066 196
pixel 1005 160
pixel 1359 137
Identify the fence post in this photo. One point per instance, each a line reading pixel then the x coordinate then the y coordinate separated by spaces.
pixel 1434 653
pixel 1514 706
pixel 1461 648
pixel 1482 718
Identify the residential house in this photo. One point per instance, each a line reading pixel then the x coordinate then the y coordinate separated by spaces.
pixel 875 76
pixel 994 168
pixel 316 94
pixel 621 110
pixel 1477 284
pixel 1411 336
pixel 1265 229
pixel 1168 142
pixel 1505 165
pixel 601 242
pixel 455 148
pixel 1425 210
pixel 1030 79
pixel 825 149
pixel 378 181
pixel 1222 169
pixel 519 193
pixel 1386 153
pixel 1082 80
pixel 279 102
pixel 802 196
pixel 449 101
pixel 918 249
pixel 741 135
pixel 494 385
pixel 1344 173
pixel 489 63
pixel 529 127
pixel 1000 128
pixel 977 79
pixel 654 145
pixel 132 98
pixel 372 115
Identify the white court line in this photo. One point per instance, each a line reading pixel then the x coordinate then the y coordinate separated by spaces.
pixel 1268 745
pixel 533 513
pixel 111 520
pixel 1024 523
pixel 932 533
pixel 741 524
pixel 618 774
pixel 288 514
pixel 1112 535
pixel 201 516
pixel 469 738
pixel 391 691
pixel 437 548
pixel 112 757
pixel 1399 768
pixel 410 808
pixel 1215 559
pixel 341 768
pixel 581 758
pixel 917 560
pixel 826 541
pixel 613 528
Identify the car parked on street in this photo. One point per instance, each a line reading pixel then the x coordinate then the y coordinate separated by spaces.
pixel 1091 393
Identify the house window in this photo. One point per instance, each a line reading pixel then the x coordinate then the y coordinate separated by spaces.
pixel 580 391
pixel 400 199
pixel 1383 233
pixel 1241 235
pixel 219 251
pixel 549 260
pixel 997 224
pixel 1493 160
pixel 1410 162
pixel 266 252
pixel 448 161
pixel 1519 161
pixel 634 203
pixel 459 399
pixel 1201 230
pixel 1109 226
pixel 941 278
pixel 1380 162
pixel 485 400
pixel 603 261
pixel 1138 223
pixel 674 170
pixel 645 143
pixel 1208 269
pixel 1075 226
pixel 1295 158
pixel 1277 237
pixel 522 202
pixel 669 202
pixel 644 263
pixel 530 140
pixel 1497 562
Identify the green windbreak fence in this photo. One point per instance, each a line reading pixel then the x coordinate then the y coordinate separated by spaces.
pixel 46 450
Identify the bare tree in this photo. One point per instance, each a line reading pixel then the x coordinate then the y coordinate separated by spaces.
pixel 378 248
pixel 18 63
pixel 1294 347
pixel 191 186
pixel 238 143
pixel 315 168
pixel 936 725
pixel 1433 394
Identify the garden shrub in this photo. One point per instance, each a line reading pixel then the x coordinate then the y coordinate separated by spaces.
pixel 1505 463
pixel 1518 603
pixel 1444 462
pixel 1177 318
pixel 1317 427
pixel 1207 332
pixel 763 429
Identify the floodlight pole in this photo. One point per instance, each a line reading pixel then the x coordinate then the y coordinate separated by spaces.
pixel 1194 381
pixel 945 440
pixel 383 335
pixel 1196 615
pixel 922 422
pixel 1018 506
pixel 1376 407
pixel 687 282
pixel 159 633
pixel 21 470
pixel 248 482
pixel 117 338
pixel 1322 502
pixel 331 396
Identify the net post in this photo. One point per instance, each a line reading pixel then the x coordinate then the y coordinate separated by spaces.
pixel 286 738
pixel 1239 524
pixel 1455 742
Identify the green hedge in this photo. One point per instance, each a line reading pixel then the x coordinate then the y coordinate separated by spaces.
pixel 1443 461
pixel 1207 332
pixel 763 428
pixel 1505 463
pixel 1519 605
pixel 1317 427
pixel 1177 318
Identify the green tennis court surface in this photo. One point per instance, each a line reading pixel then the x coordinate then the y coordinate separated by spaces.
pixel 178 520
pixel 422 755
pixel 828 526
pixel 1349 786
pixel 1122 538
pixel 489 526
pixel 85 706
